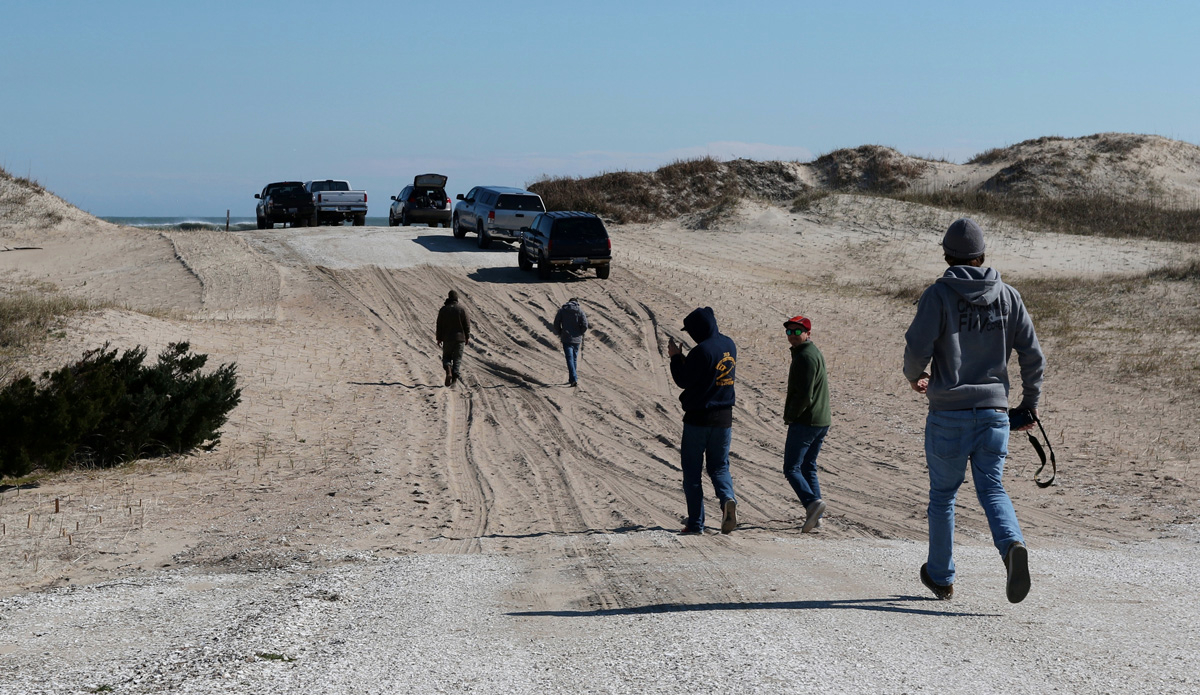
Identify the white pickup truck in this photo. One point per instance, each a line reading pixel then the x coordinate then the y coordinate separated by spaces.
pixel 335 203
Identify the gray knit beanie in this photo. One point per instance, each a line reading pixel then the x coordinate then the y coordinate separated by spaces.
pixel 964 239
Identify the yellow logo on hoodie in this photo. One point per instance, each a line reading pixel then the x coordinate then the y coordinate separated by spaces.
pixel 725 369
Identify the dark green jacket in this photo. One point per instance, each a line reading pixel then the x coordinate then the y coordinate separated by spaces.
pixel 808 388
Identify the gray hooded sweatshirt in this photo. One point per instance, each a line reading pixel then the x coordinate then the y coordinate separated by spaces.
pixel 968 323
pixel 570 323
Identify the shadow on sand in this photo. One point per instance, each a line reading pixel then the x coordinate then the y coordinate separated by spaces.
pixel 446 243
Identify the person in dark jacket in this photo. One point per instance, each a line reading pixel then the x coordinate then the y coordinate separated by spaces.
pixel 808 417
pixel 967 324
pixel 706 375
pixel 570 323
pixel 453 332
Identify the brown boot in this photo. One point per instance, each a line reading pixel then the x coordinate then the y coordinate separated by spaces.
pixel 449 376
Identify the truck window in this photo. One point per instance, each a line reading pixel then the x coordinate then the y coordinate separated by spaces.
pixel 582 228
pixel 530 203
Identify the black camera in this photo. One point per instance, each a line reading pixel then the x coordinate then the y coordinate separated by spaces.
pixel 1020 417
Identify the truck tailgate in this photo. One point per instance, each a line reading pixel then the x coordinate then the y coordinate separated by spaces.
pixel 327 199
pixel 513 220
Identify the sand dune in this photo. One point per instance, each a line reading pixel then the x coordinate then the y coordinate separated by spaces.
pixel 347 447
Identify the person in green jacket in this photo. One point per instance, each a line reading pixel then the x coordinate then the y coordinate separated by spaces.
pixel 807 415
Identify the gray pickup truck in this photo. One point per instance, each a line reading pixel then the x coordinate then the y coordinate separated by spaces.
pixel 334 202
pixel 495 213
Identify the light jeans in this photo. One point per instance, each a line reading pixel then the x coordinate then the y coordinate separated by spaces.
pixel 952 438
pixel 700 443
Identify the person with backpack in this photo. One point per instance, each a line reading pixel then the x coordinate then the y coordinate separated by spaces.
pixel 452 334
pixel 570 323
pixel 967 324
pixel 706 375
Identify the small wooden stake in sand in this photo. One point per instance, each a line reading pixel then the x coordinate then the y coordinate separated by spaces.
pixel 55 505
pixel 29 522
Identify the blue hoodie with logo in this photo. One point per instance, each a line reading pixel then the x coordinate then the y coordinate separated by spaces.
pixel 707 373
pixel 968 323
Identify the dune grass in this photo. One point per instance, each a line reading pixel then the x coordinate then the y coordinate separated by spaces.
pixel 683 186
pixel 28 315
pixel 1098 215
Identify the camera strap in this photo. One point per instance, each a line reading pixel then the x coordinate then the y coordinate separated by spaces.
pixel 1037 446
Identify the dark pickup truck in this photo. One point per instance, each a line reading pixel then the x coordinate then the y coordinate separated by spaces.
pixel 284 201
pixel 565 240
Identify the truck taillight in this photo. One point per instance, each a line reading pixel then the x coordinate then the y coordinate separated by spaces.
pixel 549 245
pixel 609 244
pixel 318 197
pixel 447 201
pixel 491 214
pixel 364 197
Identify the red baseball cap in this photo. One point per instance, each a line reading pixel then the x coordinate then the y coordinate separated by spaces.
pixel 799 321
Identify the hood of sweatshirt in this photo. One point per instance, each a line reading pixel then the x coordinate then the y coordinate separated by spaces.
pixel 979 286
pixel 701 324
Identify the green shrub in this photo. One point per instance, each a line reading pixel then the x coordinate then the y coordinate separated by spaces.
pixel 106 409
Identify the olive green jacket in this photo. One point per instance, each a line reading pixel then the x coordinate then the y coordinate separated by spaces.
pixel 808 388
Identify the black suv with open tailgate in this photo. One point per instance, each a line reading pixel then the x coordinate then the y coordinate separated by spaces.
pixel 565 240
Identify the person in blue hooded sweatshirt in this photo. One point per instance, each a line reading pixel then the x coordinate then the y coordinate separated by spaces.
pixel 706 375
pixel 967 324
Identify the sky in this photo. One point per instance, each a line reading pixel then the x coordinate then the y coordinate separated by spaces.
pixel 171 108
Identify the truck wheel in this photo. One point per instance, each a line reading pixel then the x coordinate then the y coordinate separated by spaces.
pixel 485 239
pixel 360 220
pixel 523 258
pixel 543 268
pixel 602 271
pixel 456 228
pixel 262 223
pixel 391 220
pixel 300 222
pixel 314 220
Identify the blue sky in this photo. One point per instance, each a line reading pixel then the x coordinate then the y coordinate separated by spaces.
pixel 174 108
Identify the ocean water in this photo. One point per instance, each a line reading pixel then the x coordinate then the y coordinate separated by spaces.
pixel 196 223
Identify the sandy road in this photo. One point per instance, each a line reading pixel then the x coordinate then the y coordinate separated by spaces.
pixel 515 535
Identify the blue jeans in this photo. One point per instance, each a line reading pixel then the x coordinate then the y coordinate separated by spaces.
pixel 951 439
pixel 700 443
pixel 800 460
pixel 572 353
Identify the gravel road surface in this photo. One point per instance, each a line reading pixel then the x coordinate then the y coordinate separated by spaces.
pixel 813 616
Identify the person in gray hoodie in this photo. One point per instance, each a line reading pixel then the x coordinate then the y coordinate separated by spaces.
pixel 967 324
pixel 570 323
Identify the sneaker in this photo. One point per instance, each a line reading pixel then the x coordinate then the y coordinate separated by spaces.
pixel 572 383
pixel 685 531
pixel 729 521
pixel 943 593
pixel 1016 561
pixel 814 510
